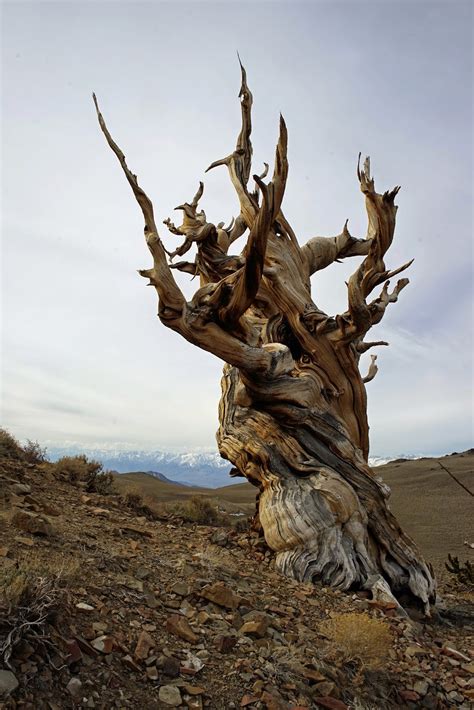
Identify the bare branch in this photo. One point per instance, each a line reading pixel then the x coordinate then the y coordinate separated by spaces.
pixel 171 298
pixel 239 162
pixel 373 369
pixel 238 292
pixel 377 306
pixel 320 252
pixel 363 347
pixel 244 144
pixel 381 212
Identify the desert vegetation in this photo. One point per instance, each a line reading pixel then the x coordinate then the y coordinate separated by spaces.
pixel 86 473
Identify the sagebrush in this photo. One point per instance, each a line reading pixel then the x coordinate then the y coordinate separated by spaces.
pixel 84 472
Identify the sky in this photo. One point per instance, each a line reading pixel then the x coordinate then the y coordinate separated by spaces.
pixel 84 358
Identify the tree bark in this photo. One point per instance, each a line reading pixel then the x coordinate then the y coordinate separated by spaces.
pixel 293 412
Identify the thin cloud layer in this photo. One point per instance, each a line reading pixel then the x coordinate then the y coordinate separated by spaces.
pixel 84 356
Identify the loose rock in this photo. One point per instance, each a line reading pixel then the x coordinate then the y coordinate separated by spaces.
pixel 170 695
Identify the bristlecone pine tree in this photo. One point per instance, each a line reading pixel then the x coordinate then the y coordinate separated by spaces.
pixel 293 412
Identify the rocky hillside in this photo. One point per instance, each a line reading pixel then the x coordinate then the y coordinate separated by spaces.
pixel 101 607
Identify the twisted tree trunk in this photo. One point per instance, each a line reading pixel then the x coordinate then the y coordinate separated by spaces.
pixel 293 412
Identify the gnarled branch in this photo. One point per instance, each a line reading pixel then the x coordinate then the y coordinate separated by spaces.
pixel 373 369
pixel 243 287
pixel 320 252
pixel 381 212
pixel 171 299
pixel 239 162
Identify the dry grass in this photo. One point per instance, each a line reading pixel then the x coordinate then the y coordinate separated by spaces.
pixel 359 638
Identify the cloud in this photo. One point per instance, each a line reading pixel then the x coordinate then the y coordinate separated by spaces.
pixel 85 357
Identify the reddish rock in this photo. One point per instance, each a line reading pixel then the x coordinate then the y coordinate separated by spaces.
pixel 144 645
pixel 194 689
pixel 271 702
pixel 256 627
pixel 221 595
pixel 248 700
pixel 408 696
pixel 179 626
pixel 313 675
pixel 73 651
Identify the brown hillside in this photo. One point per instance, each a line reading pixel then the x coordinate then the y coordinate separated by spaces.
pixel 103 608
pixel 430 505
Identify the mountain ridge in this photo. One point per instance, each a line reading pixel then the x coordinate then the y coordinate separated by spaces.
pixel 198 467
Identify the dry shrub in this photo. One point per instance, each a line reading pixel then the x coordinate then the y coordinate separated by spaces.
pixel 360 638
pixel 10 447
pixel 102 483
pixel 199 510
pixel 34 452
pixel 241 524
pixel 462 571
pixel 31 596
pixel 79 470
pixel 132 498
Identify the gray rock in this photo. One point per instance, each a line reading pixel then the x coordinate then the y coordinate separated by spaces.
pixel 8 683
pixel 421 687
pixel 170 695
pixel 21 489
pixel 75 687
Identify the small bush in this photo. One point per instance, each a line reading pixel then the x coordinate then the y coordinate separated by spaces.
pixel 133 499
pixel 77 469
pixel 360 638
pixel 31 596
pixel 463 571
pixel 34 452
pixel 201 510
pixel 10 447
pixel 102 483
pixel 197 509
pixel 241 524
pixel 81 471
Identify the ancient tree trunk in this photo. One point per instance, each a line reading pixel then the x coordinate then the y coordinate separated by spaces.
pixel 293 414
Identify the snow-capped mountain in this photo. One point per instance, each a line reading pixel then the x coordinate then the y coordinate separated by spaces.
pixel 198 467
pixel 193 468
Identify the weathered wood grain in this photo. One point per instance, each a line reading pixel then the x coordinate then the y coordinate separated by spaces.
pixel 293 411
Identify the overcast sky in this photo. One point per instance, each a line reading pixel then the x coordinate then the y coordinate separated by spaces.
pixel 85 359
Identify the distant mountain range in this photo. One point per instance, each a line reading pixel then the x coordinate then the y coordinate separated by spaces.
pixel 192 468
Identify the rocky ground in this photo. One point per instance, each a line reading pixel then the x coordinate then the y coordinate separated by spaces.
pixel 101 608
